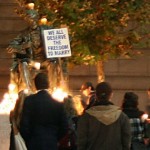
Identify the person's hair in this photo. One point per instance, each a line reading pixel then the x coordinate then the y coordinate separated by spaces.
pixel 103 91
pixel 130 100
pixel 86 85
pixel 17 112
pixel 41 81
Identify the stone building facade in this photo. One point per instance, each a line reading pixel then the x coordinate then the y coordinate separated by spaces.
pixel 123 74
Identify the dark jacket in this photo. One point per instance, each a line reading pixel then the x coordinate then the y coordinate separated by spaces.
pixel 137 125
pixel 43 122
pixel 133 112
pixel 103 127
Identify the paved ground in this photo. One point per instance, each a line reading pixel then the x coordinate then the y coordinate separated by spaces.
pixel 4 132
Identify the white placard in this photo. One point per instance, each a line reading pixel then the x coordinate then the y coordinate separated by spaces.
pixel 57 43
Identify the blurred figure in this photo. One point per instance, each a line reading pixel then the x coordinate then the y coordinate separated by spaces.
pixel 15 117
pixel 103 126
pixel 69 140
pixel 87 90
pixel 44 120
pixel 130 105
pixel 78 105
pixel 130 108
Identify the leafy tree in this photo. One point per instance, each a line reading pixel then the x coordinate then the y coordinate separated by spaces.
pixel 98 29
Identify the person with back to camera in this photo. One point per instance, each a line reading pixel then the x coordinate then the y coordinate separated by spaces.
pixel 88 91
pixel 130 108
pixel 15 117
pixel 44 120
pixel 104 126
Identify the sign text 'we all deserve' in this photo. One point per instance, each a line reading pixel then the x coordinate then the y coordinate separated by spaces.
pixel 57 43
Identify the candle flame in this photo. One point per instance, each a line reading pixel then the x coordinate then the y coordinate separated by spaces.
pixel 43 21
pixel 8 103
pixel 59 94
pixel 144 117
pixel 30 5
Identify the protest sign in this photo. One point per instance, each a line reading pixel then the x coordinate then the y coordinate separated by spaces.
pixel 57 43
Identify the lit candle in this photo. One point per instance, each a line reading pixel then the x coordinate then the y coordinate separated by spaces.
pixel 11 87
pixel 6 96
pixel 37 65
pixel 43 21
pixel 59 94
pixel 144 117
pixel 30 5
pixel 26 91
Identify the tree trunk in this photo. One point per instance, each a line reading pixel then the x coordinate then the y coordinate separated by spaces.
pixel 100 71
pixel 64 77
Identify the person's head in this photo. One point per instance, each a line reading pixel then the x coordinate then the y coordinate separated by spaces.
pixel 130 100
pixel 103 91
pixel 41 81
pixel 86 88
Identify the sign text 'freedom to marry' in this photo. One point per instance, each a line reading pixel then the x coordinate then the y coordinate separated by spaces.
pixel 57 43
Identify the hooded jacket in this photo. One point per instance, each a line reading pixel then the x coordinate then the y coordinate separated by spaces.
pixel 103 127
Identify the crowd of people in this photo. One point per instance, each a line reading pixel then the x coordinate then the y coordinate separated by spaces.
pixel 46 124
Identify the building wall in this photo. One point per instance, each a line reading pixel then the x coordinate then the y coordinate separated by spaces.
pixel 124 75
pixel 10 26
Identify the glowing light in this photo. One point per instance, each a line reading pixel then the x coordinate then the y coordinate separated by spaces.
pixel 8 103
pixel 9 100
pixel 26 91
pixel 30 5
pixel 6 96
pixel 11 87
pixel 37 65
pixel 59 95
pixel 144 117
pixel 43 21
